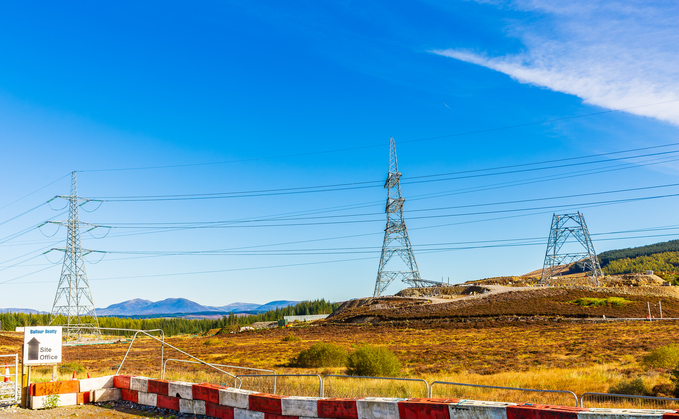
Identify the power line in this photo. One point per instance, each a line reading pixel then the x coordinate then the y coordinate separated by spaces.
pixel 370 184
pixel 313 153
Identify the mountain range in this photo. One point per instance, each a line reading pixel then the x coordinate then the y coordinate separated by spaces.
pixel 139 307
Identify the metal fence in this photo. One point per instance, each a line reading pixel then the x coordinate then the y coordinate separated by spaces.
pixel 211 375
pixel 374 387
pixel 9 380
pixel 310 385
pixel 624 401
pixel 502 394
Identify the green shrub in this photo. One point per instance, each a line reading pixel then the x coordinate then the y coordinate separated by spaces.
pixel 662 357
pixel 291 338
pixel 69 367
pixel 674 379
pixel 373 361
pixel 321 355
pixel 635 387
pixel 598 302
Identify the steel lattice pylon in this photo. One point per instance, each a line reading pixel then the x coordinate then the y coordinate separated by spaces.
pixel 563 227
pixel 396 241
pixel 73 299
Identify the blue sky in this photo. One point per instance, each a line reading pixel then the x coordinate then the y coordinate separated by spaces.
pixel 230 96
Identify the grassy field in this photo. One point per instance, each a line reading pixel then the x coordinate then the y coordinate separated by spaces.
pixel 580 357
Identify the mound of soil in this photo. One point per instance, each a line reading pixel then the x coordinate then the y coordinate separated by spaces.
pixel 455 290
pixel 542 302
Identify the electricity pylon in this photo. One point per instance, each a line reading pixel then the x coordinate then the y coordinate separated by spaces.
pixel 563 227
pixel 74 297
pixel 396 240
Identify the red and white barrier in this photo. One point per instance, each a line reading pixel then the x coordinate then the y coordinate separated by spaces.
pixel 235 397
pixel 180 389
pixel 378 408
pixel 147 399
pixel 196 407
pixel 229 403
pixel 139 384
pixel 474 409
pixel 300 406
pixel 595 413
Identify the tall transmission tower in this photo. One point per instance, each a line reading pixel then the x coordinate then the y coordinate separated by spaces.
pixel 396 240
pixel 563 227
pixel 73 299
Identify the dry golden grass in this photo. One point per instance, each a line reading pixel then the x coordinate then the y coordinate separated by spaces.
pixel 580 357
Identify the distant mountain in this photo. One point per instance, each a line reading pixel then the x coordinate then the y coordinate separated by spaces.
pixel 238 307
pixel 21 310
pixel 139 307
pixel 275 304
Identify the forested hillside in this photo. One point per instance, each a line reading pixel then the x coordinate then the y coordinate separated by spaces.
pixel 175 326
pixel 607 257
pixel 663 262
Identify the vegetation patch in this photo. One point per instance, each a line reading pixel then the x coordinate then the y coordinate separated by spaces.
pixel 599 302
pixel 373 361
pixel 662 357
pixel 291 338
pixel 634 387
pixel 69 367
pixel 321 355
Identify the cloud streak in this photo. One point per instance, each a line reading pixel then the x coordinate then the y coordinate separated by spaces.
pixel 611 54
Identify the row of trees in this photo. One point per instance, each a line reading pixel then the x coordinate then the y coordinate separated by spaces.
pixel 659 262
pixel 177 325
pixel 608 257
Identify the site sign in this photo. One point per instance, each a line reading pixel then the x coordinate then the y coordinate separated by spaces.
pixel 42 345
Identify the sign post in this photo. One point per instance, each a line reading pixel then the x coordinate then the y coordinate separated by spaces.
pixel 42 345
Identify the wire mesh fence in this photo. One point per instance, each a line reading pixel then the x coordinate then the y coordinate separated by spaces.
pixel 9 379
pixel 358 386
pixel 307 385
pixel 193 371
pixel 442 389
pixel 623 401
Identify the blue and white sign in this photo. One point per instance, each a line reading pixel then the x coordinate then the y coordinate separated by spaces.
pixel 42 345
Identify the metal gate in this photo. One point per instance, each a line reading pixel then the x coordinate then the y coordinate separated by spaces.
pixel 9 381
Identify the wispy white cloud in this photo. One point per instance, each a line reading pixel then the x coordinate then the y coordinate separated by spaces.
pixel 617 55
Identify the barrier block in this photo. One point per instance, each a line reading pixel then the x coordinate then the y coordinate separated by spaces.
pixel 129 395
pixel 300 406
pixel 598 413
pixel 89 384
pixel 167 402
pixel 159 387
pixel 266 403
pixel 378 408
pixel 41 402
pixel 122 381
pixel 477 409
pixel 196 407
pixel 180 389
pixel 542 411
pixel 56 387
pixel 246 414
pixel 147 399
pixel 83 397
pixel 235 397
pixel 272 416
pixel 423 408
pixel 337 408
pixel 106 395
pixel 218 411
pixel 139 384
pixel 206 392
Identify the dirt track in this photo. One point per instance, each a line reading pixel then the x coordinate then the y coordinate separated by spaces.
pixel 83 411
